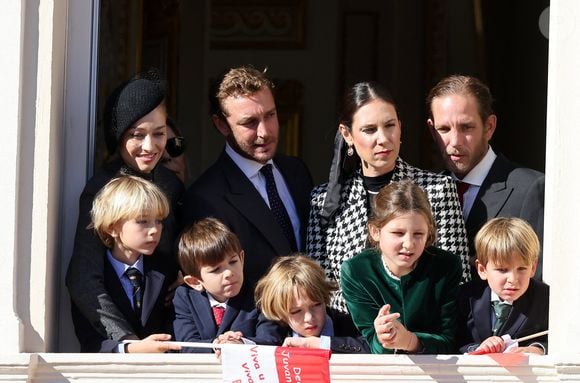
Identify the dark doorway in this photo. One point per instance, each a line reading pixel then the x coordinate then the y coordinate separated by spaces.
pixel 314 49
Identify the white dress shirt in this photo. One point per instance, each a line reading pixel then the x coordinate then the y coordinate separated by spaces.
pixel 475 179
pixel 251 170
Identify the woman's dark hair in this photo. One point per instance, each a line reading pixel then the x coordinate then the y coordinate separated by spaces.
pixel 344 166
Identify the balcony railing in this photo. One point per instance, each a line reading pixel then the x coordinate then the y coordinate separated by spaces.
pixel 44 367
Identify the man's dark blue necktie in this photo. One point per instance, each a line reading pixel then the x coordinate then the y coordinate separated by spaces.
pixel 277 206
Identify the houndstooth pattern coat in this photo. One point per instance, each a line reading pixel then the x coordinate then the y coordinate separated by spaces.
pixel 346 233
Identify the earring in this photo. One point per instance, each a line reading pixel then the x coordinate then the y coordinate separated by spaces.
pixel 350 151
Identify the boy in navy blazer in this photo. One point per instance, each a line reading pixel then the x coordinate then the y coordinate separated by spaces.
pixel 127 215
pixel 214 301
pixel 511 302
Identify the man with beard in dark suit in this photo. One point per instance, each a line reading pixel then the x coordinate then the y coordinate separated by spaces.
pixel 462 123
pixel 263 197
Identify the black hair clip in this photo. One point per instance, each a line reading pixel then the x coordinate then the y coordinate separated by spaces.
pixel 175 146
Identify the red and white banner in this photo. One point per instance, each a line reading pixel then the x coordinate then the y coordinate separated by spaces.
pixel 270 364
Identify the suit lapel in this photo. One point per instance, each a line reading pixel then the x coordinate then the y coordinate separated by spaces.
pixel 481 313
pixel 517 319
pixel 244 197
pixel 492 196
pixel 232 310
pixel 118 294
pixel 204 314
pixel 297 186
pixel 153 284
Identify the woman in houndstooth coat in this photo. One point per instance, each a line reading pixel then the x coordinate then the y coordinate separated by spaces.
pixel 366 157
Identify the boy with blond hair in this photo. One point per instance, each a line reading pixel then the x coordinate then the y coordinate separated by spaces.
pixel 511 302
pixel 215 304
pixel 296 293
pixel 127 215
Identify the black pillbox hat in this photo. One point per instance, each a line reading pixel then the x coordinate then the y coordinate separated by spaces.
pixel 129 102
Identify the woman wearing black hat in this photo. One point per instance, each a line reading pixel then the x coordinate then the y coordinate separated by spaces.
pixel 366 158
pixel 135 132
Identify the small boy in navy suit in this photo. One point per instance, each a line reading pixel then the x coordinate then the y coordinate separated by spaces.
pixel 127 215
pixel 511 302
pixel 214 302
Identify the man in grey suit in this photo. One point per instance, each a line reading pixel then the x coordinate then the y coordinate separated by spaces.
pixel 462 123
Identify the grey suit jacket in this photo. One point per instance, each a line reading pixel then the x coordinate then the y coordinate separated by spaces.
pixel 509 190
pixel 155 317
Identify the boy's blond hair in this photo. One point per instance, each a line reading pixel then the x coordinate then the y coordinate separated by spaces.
pixel 274 292
pixel 500 239
pixel 206 243
pixel 125 198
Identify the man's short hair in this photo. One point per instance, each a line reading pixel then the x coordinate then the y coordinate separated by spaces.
pixel 206 243
pixel 241 81
pixel 126 198
pixel 463 85
pixel 501 239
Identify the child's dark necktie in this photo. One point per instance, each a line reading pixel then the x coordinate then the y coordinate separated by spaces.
pixel 502 311
pixel 136 280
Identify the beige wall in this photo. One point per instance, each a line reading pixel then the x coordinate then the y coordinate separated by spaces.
pixel 10 51
pixel 33 63
pixel 562 222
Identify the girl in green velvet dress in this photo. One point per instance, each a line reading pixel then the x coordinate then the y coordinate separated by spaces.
pixel 401 293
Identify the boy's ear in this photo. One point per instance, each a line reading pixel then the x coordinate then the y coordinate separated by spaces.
pixel 193 282
pixel 481 270
pixel 534 267
pixel 112 231
pixel 242 254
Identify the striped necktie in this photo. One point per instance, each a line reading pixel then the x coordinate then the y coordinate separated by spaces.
pixel 136 279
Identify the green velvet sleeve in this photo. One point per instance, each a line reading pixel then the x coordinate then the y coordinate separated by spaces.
pixel 425 298
pixel 361 305
pixel 442 341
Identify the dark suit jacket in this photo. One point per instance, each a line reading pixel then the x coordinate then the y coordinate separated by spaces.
pixel 194 321
pixel 509 190
pixel 529 314
pixel 225 193
pixel 155 318
pixel 347 339
pixel 84 277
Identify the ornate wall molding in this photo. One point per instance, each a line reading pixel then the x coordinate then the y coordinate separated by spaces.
pixel 257 24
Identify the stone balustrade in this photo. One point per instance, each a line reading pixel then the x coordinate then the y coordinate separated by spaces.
pixel 80 368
